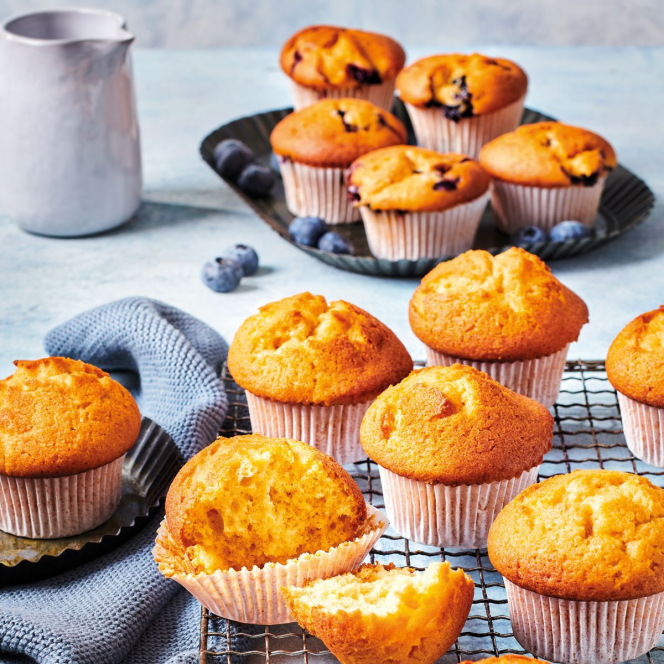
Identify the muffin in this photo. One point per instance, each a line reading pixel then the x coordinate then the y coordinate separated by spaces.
pixel 635 367
pixel 506 315
pixel 583 560
pixel 312 368
pixel 385 614
pixel 453 447
pixel 324 62
pixel 503 659
pixel 248 515
pixel 416 203
pixel 65 427
pixel 457 103
pixel 546 172
pixel 315 147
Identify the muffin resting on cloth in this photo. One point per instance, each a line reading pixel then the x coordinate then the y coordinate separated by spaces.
pixel 327 61
pixel 65 427
pixel 385 614
pixel 584 548
pixel 547 172
pixel 453 446
pixel 506 315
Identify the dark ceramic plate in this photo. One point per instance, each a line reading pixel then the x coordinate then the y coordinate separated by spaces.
pixel 626 202
pixel 147 471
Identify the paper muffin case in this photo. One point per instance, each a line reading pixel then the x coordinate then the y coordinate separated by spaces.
pixel 539 378
pixel 334 430
pixel 317 192
pixel 254 596
pixel 577 632
pixel 515 205
pixel 52 507
pixel 396 235
pixel 643 426
pixel 436 132
pixel 381 95
pixel 448 516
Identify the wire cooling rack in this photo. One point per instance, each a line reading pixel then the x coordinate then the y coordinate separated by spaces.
pixel 588 434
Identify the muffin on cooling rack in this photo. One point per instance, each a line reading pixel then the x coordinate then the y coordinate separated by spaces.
pixel 416 203
pixel 325 61
pixel 584 549
pixel 506 315
pixel 546 172
pixel 635 367
pixel 457 103
pixel 248 515
pixel 453 447
pixel 503 659
pixel 385 614
pixel 317 144
pixel 65 427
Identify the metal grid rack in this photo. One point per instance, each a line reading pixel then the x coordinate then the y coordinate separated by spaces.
pixel 587 434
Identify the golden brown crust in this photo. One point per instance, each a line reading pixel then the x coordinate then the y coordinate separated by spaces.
pixel 503 308
pixel 462 85
pixel 410 178
pixel 326 57
pixel 303 350
pixel 62 417
pixel 635 362
pixel 548 154
pixel 455 425
pixel 590 535
pixel 335 132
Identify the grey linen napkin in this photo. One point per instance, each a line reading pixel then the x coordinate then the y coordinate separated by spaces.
pixel 119 607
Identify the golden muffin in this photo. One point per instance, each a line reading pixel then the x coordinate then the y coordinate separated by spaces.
pixel 385 614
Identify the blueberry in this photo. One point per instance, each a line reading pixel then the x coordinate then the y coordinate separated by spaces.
pixel 231 157
pixel 307 230
pixel 256 181
pixel 245 255
pixel 569 230
pixel 528 235
pixel 222 274
pixel 333 242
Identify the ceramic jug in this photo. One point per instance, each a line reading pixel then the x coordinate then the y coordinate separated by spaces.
pixel 70 160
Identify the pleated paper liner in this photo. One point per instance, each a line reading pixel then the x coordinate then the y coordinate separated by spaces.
pixel 381 94
pixel 644 430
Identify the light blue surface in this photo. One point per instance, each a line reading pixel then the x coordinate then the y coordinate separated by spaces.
pixel 190 216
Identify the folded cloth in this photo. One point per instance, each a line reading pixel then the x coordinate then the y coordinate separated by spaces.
pixel 119 607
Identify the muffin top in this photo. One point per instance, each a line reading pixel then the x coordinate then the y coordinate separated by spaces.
pixel 62 417
pixel 635 362
pixel 328 57
pixel 250 500
pixel 455 425
pixel 548 154
pixel 335 132
pixel 405 177
pixel 592 535
pixel 305 350
pixel 462 85
pixel 495 308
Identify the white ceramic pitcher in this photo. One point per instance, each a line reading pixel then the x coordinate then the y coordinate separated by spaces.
pixel 70 161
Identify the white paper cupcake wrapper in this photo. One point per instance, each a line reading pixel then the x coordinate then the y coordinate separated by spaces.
pixel 413 235
pixel 334 430
pixel 381 95
pixel 52 507
pixel 539 378
pixel 317 192
pixel 253 596
pixel 448 516
pixel 643 426
pixel 578 632
pixel 434 131
pixel 515 205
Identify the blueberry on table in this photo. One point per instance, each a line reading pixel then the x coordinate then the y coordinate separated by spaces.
pixel 569 230
pixel 307 230
pixel 333 242
pixel 231 157
pixel 528 235
pixel 256 181
pixel 222 274
pixel 245 255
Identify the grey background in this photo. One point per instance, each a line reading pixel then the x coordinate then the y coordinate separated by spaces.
pixel 446 23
